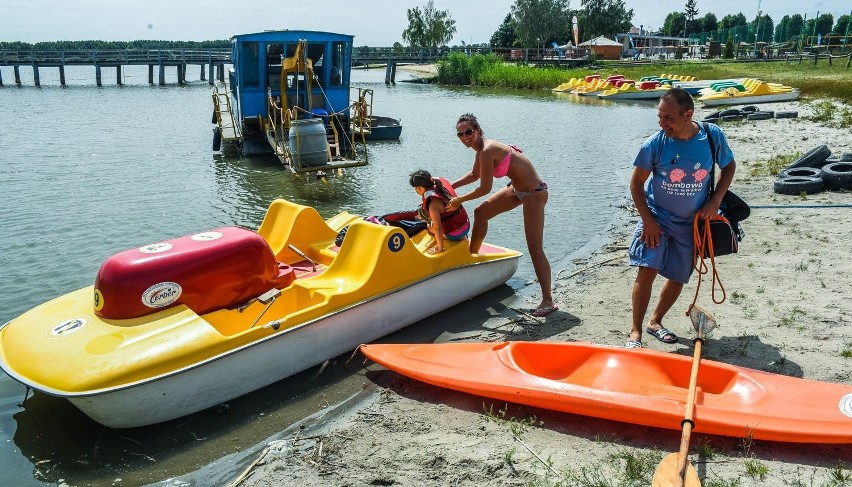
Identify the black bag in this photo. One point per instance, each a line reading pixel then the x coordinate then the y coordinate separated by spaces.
pixel 733 208
pixel 723 237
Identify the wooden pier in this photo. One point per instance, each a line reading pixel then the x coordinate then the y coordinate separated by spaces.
pixel 216 59
pixel 213 59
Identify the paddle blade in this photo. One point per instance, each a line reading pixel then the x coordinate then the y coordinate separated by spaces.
pixel 666 474
pixel 702 320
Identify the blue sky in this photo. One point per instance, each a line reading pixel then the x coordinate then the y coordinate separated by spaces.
pixel 373 22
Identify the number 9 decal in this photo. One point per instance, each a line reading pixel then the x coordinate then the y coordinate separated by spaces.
pixel 396 242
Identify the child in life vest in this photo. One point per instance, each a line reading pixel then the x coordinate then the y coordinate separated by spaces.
pixel 443 224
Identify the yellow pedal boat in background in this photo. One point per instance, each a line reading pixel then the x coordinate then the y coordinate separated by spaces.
pixel 175 327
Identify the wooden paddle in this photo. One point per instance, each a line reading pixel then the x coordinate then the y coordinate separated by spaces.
pixel 675 470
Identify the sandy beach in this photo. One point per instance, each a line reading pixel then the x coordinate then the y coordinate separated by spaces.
pixel 787 312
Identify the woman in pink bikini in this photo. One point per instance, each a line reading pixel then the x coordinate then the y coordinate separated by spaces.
pixel 496 160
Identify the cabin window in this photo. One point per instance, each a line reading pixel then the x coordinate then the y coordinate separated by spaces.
pixel 338 63
pixel 249 64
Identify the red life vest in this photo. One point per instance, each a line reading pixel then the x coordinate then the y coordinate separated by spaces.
pixel 455 223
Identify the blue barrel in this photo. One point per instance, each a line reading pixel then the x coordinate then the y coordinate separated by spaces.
pixel 308 143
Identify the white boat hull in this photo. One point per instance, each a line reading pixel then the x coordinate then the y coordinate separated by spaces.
pixel 750 100
pixel 634 95
pixel 256 365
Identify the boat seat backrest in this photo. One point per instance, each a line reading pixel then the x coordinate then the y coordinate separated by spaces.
pixel 289 223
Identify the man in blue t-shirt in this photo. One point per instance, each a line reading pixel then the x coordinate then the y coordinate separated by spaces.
pixel 678 160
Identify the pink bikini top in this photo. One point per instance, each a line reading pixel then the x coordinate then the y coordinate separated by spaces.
pixel 502 168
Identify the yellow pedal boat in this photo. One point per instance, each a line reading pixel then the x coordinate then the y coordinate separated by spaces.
pixel 175 327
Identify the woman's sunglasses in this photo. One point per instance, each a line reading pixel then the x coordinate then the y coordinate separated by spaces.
pixel 464 132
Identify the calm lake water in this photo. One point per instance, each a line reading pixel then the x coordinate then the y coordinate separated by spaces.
pixel 90 171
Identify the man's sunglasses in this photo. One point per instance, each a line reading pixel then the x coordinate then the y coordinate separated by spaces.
pixel 464 132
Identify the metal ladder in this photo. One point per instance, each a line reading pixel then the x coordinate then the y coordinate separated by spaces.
pixel 224 114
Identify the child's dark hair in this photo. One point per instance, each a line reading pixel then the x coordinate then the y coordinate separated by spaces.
pixel 425 180
pixel 421 178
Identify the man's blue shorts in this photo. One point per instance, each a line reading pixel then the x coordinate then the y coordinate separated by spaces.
pixel 674 257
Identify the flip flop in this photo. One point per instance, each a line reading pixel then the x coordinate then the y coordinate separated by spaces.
pixel 633 344
pixel 542 312
pixel 661 334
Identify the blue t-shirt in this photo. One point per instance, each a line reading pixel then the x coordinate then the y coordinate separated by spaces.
pixel 680 171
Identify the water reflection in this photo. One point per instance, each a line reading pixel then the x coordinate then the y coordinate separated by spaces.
pixel 97 181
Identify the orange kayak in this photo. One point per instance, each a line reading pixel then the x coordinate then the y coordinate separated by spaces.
pixel 639 386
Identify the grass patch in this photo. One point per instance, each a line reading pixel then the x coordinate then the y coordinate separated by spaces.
pixel 847 351
pixel 517 426
pixel 823 111
pixel 773 165
pixel 791 317
pixel 755 469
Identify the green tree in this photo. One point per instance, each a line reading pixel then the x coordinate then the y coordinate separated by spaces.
pixel 794 28
pixel 690 11
pixel 604 17
pixel 842 25
pixel 505 35
pixel 709 22
pixel 429 27
pixel 824 23
pixel 761 29
pixel 731 21
pixel 729 48
pixel 673 26
pixel 537 22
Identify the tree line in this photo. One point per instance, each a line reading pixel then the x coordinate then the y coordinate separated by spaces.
pixel 114 45
pixel 790 27
pixel 538 23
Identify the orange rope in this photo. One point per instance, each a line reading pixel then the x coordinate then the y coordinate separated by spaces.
pixel 703 245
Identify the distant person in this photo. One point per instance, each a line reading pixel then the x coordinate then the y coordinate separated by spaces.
pixel 678 160
pixel 443 223
pixel 496 160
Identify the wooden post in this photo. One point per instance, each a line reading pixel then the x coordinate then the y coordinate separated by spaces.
pixel 150 74
pixel 211 75
pixel 62 75
pixel 17 75
pixel 118 74
pixel 1 78
pixel 162 68
pixel 98 74
pixel 202 74
pixel 36 74
pixel 221 72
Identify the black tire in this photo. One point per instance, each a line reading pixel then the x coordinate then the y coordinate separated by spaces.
pixel 847 157
pixel 786 114
pixel 728 118
pixel 822 164
pixel 213 120
pixel 715 114
pixel 811 157
pixel 217 139
pixel 796 172
pixel 758 116
pixel 798 185
pixel 731 111
pixel 749 109
pixel 837 175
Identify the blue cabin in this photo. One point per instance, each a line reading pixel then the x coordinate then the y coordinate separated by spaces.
pixel 285 88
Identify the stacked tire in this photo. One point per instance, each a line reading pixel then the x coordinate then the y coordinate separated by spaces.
pixel 749 112
pixel 815 171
